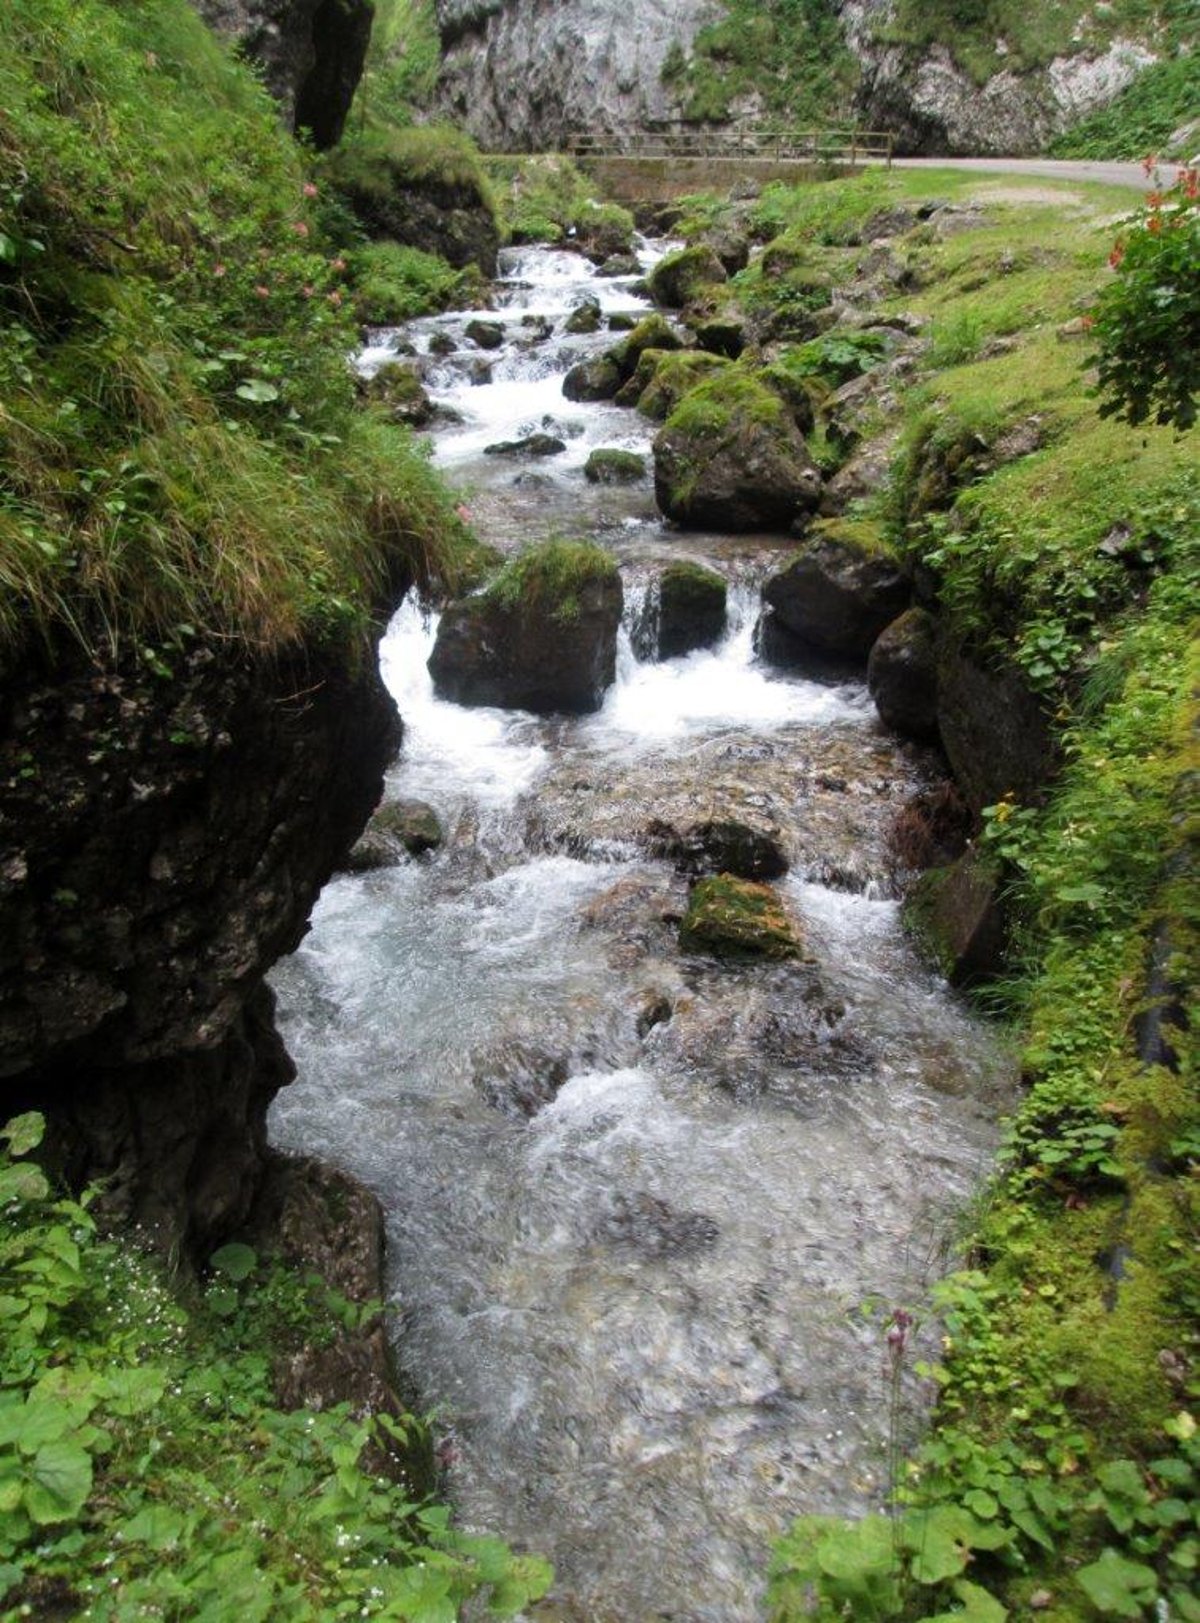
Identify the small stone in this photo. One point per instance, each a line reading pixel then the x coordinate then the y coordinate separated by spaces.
pixel 487 334
pixel 531 445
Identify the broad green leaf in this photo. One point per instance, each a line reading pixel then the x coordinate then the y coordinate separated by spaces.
pixel 1117 1587
pixel 977 1606
pixel 24 1133
pixel 135 1391
pixel 60 1479
pixel 858 1549
pixel 257 390
pixel 22 1182
pixel 235 1261
pixel 157 1526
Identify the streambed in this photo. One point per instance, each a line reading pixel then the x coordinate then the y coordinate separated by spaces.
pixel 635 1202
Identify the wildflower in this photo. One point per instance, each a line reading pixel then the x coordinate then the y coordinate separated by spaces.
pixel 1117 255
pixel 1154 200
pixel 338 264
pixel 464 512
pixel 335 298
pixel 309 189
pixel 219 269
pixel 1154 224
pixel 263 292
pixel 300 227
pixel 307 290
pixel 1149 162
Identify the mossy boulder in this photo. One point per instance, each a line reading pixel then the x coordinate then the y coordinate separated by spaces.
pixel 729 457
pixel 840 590
pixel 737 918
pixel 956 917
pixel 609 466
pixel 731 247
pixel 487 334
pixel 532 445
pixel 585 317
pixel 681 277
pixel 662 380
pixel 722 334
pixel 399 388
pixel 685 609
pixel 799 388
pixel 397 828
pixel 902 674
pixel 997 733
pixel 541 637
pixel 598 378
pixel 652 332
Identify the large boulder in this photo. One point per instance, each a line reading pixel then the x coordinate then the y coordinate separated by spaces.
pixel 542 637
pixel 663 378
pixel 737 918
pixel 598 378
pixel 681 277
pixel 398 828
pixel 684 610
pixel 955 914
pixel 997 733
pixel 730 458
pixel 902 674
pixel 651 332
pixel 840 590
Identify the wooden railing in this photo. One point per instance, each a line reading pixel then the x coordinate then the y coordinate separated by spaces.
pixel 838 146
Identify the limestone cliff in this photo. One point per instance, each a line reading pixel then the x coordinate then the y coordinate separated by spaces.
pixel 162 841
pixel 522 75
pixel 311 53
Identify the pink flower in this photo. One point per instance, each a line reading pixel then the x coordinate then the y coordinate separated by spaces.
pixel 300 228
pixel 309 189
pixel 307 290
pixel 335 298
pixel 263 292
pixel 219 270
pixel 464 512
pixel 338 264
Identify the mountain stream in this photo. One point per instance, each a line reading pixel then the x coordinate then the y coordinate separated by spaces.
pixel 636 1203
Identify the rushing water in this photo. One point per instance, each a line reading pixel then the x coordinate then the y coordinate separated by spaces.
pixel 635 1202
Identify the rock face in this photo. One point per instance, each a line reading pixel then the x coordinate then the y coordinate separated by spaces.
pixel 902 675
pixel 311 53
pixel 543 637
pixel 164 851
pixel 996 733
pixel 521 75
pixel 933 105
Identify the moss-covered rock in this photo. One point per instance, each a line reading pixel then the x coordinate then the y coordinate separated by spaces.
pixel 840 590
pixel 398 827
pixel 737 918
pixel 596 379
pixel 663 378
pixel 486 334
pixel 721 334
pixel 652 332
pixel 998 734
pixel 730 458
pixel 902 674
pixel 542 637
pixel 399 388
pixel 955 915
pixel 681 277
pixel 609 466
pixel 685 609
pixel 585 317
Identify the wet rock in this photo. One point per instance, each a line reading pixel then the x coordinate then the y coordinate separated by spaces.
pixel 487 334
pixel 476 370
pixel 536 329
pixel 779 645
pixel 840 590
pixel 652 332
pixel 623 321
pixel 619 265
pixel 955 914
pixel 399 388
pixel 655 1229
pixel 414 823
pixel 655 1009
pixel 441 343
pixel 730 458
pixel 596 379
pixel 995 731
pixel 862 475
pixel 721 335
pixel 520 1080
pixel 902 674
pixel 681 277
pixel 531 445
pixel 609 466
pixel 685 609
pixel 932 828
pixel 732 248
pixel 585 317
pixel 542 637
pixel 737 918
pixel 721 846
pixel 662 379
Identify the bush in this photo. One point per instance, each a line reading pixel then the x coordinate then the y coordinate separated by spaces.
pixel 1148 321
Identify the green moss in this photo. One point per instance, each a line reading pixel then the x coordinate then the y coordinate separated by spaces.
pixel 392 284
pixel 544 197
pixel 662 379
pixel 609 466
pixel 734 395
pixel 554 573
pixel 681 277
pixel 737 918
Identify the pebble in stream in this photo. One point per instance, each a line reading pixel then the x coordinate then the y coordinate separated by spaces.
pixel 634 1201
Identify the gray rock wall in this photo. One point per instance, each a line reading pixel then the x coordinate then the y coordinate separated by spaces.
pixel 522 75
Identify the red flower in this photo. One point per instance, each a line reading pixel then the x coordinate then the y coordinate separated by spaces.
pixel 1117 255
pixel 1154 224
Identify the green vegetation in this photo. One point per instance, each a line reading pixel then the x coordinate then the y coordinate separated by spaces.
pixel 146 1469
pixel 1147 322
pixel 371 167
pixel 553 573
pixel 737 918
pixel 546 198
pixel 181 451
pixel 393 284
pixel 402 64
pixel 788 54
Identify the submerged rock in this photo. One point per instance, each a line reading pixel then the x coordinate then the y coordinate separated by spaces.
pixel 685 609
pixel 655 1229
pixel 722 846
pixel 542 637
pixel 487 334
pixel 531 445
pixel 840 590
pixel 737 918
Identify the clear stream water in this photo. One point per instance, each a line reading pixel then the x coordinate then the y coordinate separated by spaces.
pixel 637 1310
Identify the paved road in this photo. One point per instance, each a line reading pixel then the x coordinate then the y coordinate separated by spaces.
pixel 1071 169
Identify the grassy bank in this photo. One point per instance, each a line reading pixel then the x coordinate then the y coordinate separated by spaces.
pixel 1061 1473
pixel 183 453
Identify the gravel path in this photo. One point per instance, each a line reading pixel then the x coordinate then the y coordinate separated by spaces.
pixel 1070 169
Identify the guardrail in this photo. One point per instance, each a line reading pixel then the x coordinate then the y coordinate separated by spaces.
pixel 849 146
